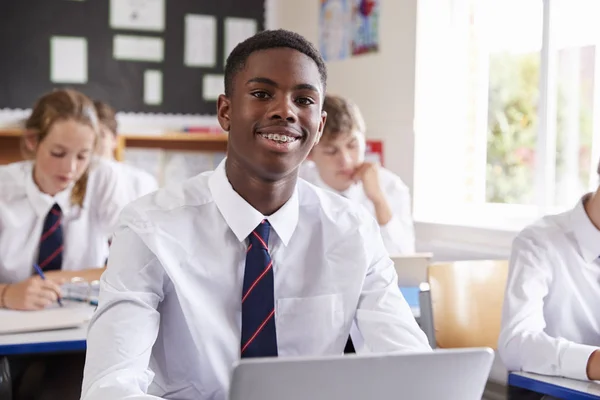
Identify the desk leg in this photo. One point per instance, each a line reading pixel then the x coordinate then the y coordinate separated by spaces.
pixel 5 379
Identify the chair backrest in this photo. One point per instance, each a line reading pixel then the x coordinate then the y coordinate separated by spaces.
pixel 466 302
pixel 412 268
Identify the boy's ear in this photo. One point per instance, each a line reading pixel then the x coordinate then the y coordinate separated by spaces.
pixel 321 127
pixel 31 141
pixel 223 110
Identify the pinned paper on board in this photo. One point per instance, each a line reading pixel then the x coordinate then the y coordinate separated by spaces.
pixel 143 15
pixel 200 41
pixel 153 87
pixel 212 86
pixel 138 48
pixel 68 59
pixel 237 30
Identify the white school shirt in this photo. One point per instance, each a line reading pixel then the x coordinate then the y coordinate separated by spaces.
pixel 551 315
pixel 23 209
pixel 399 233
pixel 169 320
pixel 137 181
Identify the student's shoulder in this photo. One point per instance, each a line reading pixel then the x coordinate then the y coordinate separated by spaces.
pixel 13 177
pixel 547 232
pixel 331 208
pixel 172 199
pixel 135 173
pixel 391 181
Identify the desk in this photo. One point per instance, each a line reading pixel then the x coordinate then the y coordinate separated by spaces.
pixel 562 388
pixel 60 340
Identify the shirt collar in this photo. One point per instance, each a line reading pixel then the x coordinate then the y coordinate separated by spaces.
pixel 586 234
pixel 242 218
pixel 42 202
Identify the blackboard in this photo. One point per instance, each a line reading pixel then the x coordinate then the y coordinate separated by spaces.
pixel 26 28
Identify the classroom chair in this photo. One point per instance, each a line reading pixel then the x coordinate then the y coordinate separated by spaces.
pixel 466 302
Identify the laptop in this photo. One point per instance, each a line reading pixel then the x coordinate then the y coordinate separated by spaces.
pixel 449 374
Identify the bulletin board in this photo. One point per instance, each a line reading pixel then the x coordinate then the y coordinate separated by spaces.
pixel 141 56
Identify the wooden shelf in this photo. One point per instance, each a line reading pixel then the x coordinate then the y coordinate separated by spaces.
pixel 176 141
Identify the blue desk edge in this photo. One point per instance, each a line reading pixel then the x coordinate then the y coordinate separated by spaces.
pixel 42 347
pixel 548 388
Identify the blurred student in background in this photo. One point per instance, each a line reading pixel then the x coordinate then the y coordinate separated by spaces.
pixel 57 211
pixel 137 181
pixel 338 163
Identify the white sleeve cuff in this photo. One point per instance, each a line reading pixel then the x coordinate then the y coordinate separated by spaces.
pixel 574 360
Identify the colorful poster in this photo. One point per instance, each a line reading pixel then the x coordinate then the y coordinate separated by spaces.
pixel 365 26
pixel 348 27
pixel 335 29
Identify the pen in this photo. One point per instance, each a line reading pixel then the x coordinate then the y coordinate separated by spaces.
pixel 41 274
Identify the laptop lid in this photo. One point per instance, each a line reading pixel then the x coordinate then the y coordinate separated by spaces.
pixel 449 374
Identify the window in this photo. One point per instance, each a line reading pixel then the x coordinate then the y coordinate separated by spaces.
pixel 507 107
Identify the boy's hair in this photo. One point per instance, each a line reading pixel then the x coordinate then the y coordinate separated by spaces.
pixel 107 115
pixel 343 116
pixel 265 40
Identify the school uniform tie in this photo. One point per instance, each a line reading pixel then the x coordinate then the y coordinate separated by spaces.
pixel 259 338
pixel 51 242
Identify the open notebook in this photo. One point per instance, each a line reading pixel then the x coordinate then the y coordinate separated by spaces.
pixel 71 315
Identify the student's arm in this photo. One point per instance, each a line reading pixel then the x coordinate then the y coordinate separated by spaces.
pixel 125 325
pixel 523 344
pixel 383 317
pixel 392 205
pixel 398 233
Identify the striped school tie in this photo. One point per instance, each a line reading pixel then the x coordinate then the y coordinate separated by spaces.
pixel 259 338
pixel 51 242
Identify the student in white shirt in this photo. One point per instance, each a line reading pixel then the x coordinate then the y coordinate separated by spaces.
pixel 550 322
pixel 193 281
pixel 56 210
pixel 137 181
pixel 337 163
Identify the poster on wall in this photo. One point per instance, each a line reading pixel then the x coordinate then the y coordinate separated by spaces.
pixel 365 26
pixel 334 29
pixel 348 28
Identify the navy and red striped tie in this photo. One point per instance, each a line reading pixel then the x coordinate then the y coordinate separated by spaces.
pixel 51 242
pixel 259 338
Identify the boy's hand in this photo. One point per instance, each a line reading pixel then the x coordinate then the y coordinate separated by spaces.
pixel 368 173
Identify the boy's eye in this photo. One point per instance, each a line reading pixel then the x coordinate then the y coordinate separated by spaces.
pixel 57 155
pixel 260 95
pixel 305 101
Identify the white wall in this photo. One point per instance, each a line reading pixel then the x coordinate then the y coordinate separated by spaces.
pixel 382 84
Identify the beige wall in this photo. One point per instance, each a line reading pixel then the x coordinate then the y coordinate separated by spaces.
pixel 382 84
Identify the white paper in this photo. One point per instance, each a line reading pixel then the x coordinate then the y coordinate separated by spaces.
pixel 72 315
pixel 237 30
pixel 152 87
pixel 68 59
pixel 144 15
pixel 200 41
pixel 212 86
pixel 138 48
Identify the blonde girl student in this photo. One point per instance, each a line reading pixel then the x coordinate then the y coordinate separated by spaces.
pixel 57 211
